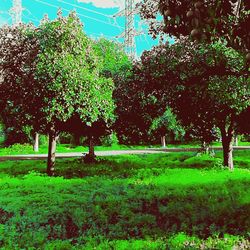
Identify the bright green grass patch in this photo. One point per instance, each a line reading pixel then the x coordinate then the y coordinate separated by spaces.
pixel 125 202
pixel 18 149
pixel 126 165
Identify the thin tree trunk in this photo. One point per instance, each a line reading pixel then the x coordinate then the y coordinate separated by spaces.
pixel 91 147
pixel 51 153
pixel 36 143
pixel 90 157
pixel 163 141
pixel 227 143
pixel 205 147
pixel 236 141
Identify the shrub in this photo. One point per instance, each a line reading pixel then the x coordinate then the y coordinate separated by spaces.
pixel 109 140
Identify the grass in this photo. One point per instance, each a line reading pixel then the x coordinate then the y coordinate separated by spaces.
pixel 61 148
pixel 170 201
pixel 18 149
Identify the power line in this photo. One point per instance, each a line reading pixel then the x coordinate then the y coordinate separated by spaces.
pixel 33 18
pixel 83 8
pixel 92 18
pixel 93 11
pixel 30 18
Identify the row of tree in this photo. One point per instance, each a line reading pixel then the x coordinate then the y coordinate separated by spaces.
pixel 213 73
pixel 54 78
pixel 206 86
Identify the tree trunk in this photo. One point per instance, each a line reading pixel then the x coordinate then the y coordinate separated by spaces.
pixel 90 157
pixel 205 147
pixel 36 143
pixel 51 153
pixel 236 141
pixel 163 141
pixel 227 143
pixel 91 147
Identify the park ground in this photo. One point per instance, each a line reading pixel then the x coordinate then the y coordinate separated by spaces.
pixel 158 201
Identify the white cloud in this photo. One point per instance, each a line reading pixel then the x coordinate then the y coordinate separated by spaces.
pixel 105 3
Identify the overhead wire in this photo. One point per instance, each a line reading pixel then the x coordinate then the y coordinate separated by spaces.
pixel 84 8
pixel 92 18
pixel 55 6
pixel 33 18
pixel 110 17
pixel 30 18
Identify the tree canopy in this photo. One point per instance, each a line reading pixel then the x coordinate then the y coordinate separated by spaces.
pixel 206 85
pixel 64 76
pixel 204 20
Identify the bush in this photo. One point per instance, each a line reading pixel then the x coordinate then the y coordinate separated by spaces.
pixel 43 140
pixel 17 149
pixel 109 140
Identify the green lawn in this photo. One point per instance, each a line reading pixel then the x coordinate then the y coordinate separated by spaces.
pixel 67 148
pixel 61 148
pixel 170 201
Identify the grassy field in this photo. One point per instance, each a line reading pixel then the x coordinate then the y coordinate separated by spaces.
pixel 170 201
pixel 61 148
pixel 67 148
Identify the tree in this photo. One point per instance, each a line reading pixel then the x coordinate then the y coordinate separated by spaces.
pixel 206 85
pixel 69 75
pixel 136 108
pixel 244 122
pixel 115 62
pixel 203 20
pixel 18 52
pixel 79 128
pixel 117 65
pixel 67 81
pixel 167 124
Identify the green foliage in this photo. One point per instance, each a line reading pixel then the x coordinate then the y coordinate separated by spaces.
pixel 202 21
pixel 17 149
pixel 43 140
pixel 115 61
pixel 138 202
pixel 206 85
pixel 68 74
pixel 109 140
pixel 167 124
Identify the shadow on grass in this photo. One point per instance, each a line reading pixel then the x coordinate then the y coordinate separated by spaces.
pixel 122 166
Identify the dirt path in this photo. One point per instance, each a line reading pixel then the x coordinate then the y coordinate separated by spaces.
pixel 111 152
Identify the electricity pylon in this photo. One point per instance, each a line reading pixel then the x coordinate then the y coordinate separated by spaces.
pixel 16 12
pixel 130 33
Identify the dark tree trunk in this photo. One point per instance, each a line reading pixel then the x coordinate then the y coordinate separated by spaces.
pixel 227 143
pixel 163 141
pixel 90 157
pixel 51 153
pixel 91 147
pixel 36 143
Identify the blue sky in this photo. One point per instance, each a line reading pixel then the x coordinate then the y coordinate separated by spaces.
pixel 97 16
